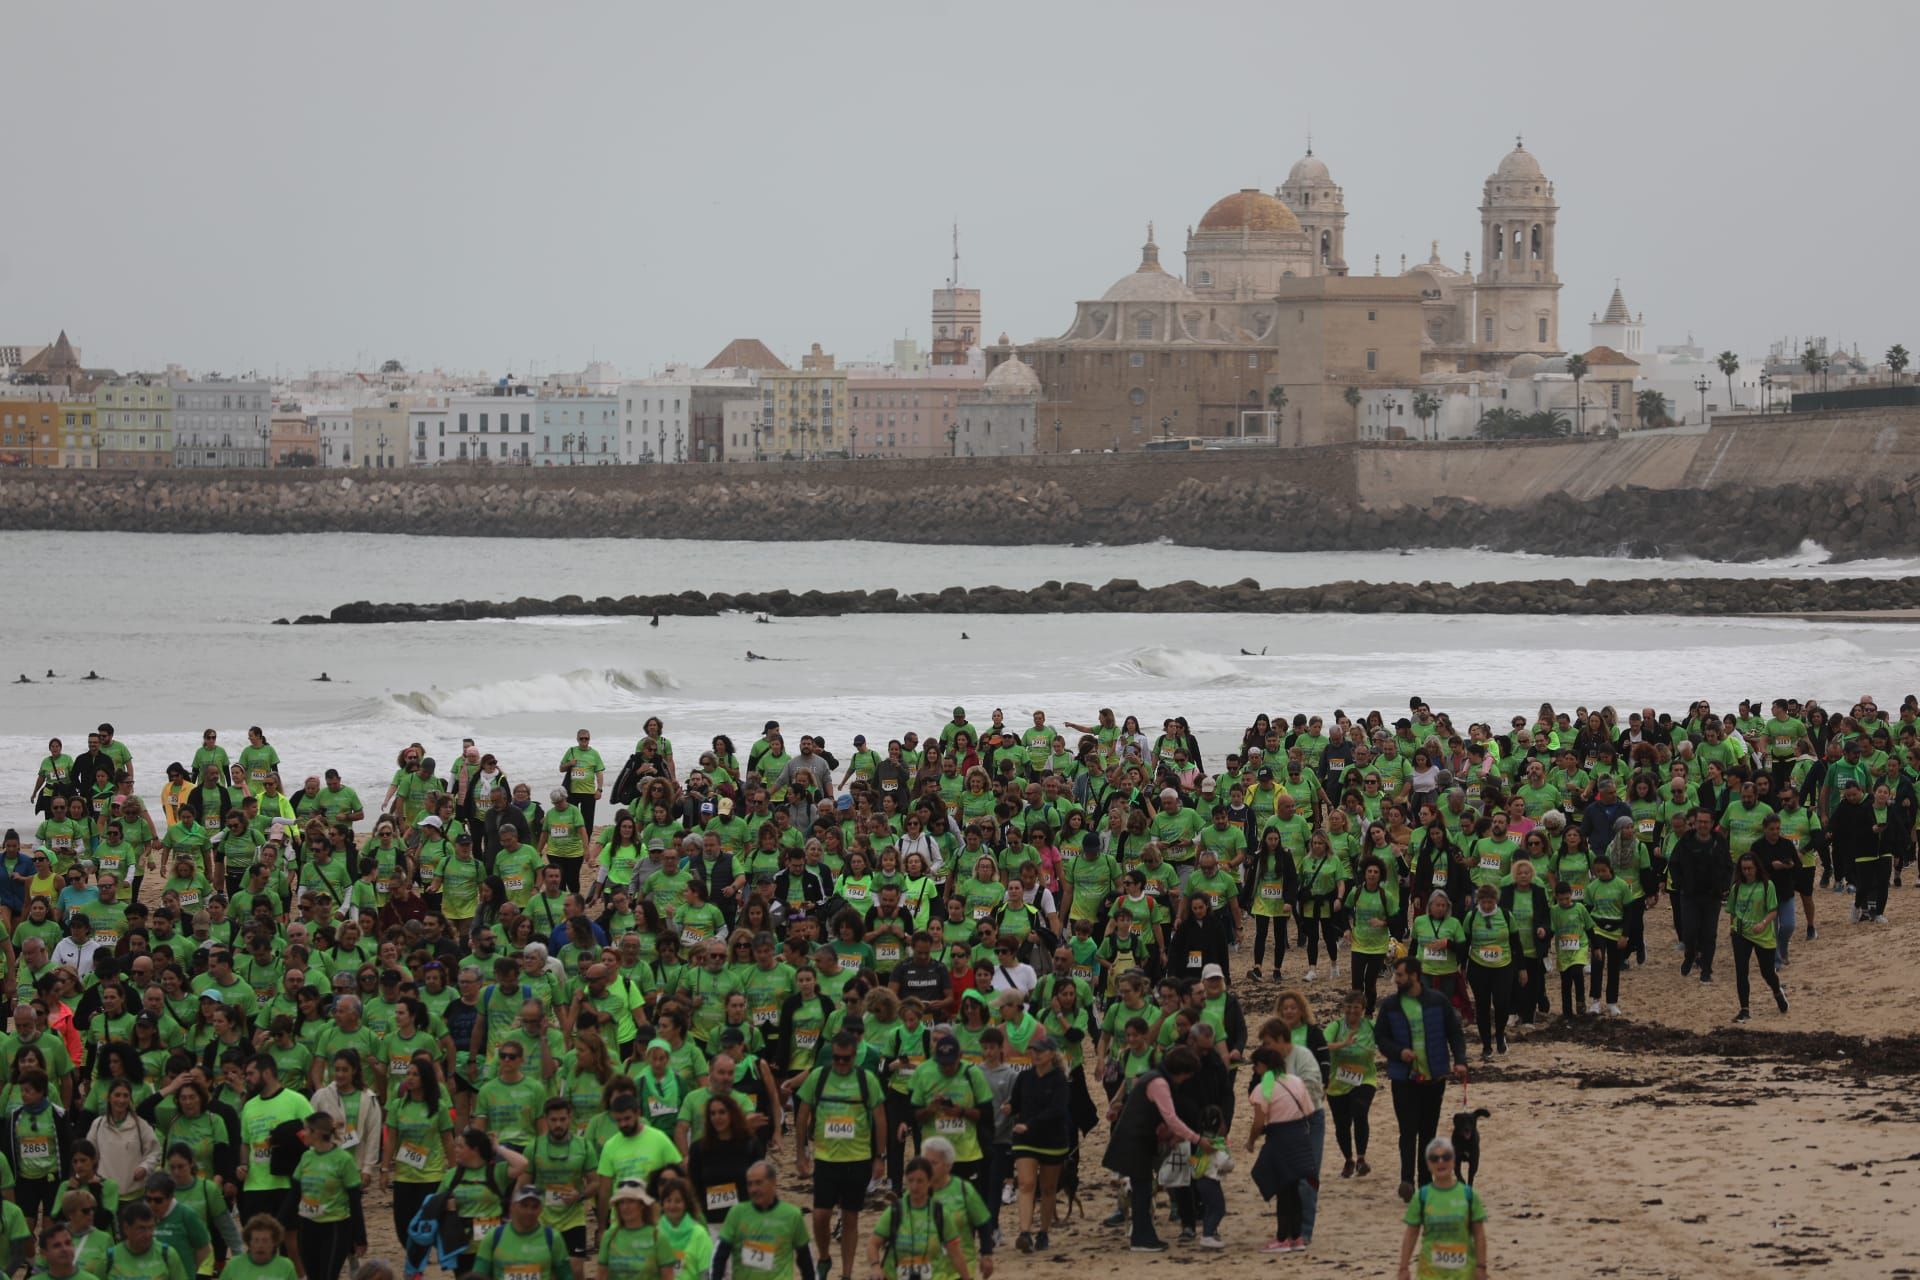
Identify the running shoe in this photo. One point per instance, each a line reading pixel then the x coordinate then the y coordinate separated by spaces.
pixel 1346 1170
pixel 1313 975
pixel 1212 1242
pixel 1024 1242
pixel 1880 920
pixel 1810 933
pixel 1781 1000
pixel 1254 974
pixel 1406 1192
pixel 1277 1246
pixel 1118 1218
pixel 1593 1008
pixel 1742 1016
pixel 1362 1168
pixel 1158 1246
pixel 1040 1241
pixel 1613 1011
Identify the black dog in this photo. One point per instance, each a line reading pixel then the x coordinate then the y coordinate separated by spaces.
pixel 1466 1142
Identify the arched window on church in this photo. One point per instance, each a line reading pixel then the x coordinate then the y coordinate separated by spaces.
pixel 1519 244
pixel 1204 279
pixel 1486 323
pixel 1499 242
pixel 1143 328
pixel 1326 246
pixel 1537 241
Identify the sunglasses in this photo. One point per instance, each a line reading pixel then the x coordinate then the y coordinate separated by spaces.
pixel 509 1057
pixel 1443 1158
pixel 843 1058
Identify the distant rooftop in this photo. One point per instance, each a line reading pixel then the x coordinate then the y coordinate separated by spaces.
pixel 746 353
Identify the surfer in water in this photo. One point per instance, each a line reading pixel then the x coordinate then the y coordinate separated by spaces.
pixel 323 678
pixel 23 679
pixel 92 675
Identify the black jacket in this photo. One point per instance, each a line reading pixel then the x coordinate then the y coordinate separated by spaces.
pixel 1542 908
pixel 1702 867
pixel 1851 828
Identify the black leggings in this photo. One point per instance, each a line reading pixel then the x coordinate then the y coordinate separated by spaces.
pixel 1492 993
pixel 1351 1127
pixel 1533 1000
pixel 1742 948
pixel 325 1247
pixel 1366 974
pixel 585 805
pixel 569 872
pixel 1573 990
pixel 407 1199
pixel 1319 929
pixel 1279 924
pixel 1607 955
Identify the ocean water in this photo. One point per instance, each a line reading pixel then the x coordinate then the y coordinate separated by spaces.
pixel 179 626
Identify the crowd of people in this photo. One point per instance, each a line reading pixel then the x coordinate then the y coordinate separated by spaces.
pixel 703 1012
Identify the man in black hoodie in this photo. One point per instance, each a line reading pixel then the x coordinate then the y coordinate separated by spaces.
pixel 1700 869
pixel 1856 846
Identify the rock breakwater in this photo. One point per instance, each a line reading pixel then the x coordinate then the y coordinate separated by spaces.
pixel 1691 597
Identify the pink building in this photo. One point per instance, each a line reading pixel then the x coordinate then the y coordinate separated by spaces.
pixel 907 412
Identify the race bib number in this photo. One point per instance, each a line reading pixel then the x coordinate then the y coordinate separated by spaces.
pixel 1491 955
pixel 191 898
pixel 523 1271
pixel 950 1124
pixel 840 1129
pixel 887 952
pixel 482 1226
pixel 757 1254
pixel 581 775
pixel 1448 1257
pixel 1570 941
pixel 981 913
pixel 1436 949
pixel 309 1206
pixel 349 1137
pixel 35 1149
pixel 1645 827
pixel 107 937
pixel 1273 892
pixel 514 883
pixel 806 1039
pixel 914 1271
pixel 412 1155
pixel 1194 959
pixel 722 1196
pixel 1349 1076
pixel 660 1107
pixel 765 1017
pixel 559 831
pixel 1490 862
pixel 262 1152
pixel 556 1197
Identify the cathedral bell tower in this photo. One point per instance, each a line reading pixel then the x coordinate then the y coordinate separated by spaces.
pixel 1517 302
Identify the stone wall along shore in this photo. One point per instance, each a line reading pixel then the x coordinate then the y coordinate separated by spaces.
pixel 1693 597
pixel 1274 502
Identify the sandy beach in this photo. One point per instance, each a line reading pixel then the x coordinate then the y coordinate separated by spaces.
pixel 1665 1144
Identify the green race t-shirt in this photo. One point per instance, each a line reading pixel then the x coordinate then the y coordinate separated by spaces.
pixel 324 1178
pixel 258 1119
pixel 764 1240
pixel 242 1267
pixel 631 1253
pixel 1445 1220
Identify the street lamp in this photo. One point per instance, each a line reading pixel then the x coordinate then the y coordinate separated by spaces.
pixel 756 440
pixel 1825 365
pixel 380 458
pixel 1766 385
pixel 663 442
pixel 1387 405
pixel 1166 428
pixel 853 442
pixel 1702 385
pixel 678 456
pixel 1056 435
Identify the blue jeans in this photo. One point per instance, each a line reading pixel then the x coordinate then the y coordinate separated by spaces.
pixel 1310 1188
pixel 1213 1204
pixel 1783 926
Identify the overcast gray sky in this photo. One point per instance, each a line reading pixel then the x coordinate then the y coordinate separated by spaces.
pixel 481 185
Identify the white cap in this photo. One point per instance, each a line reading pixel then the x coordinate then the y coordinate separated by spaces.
pixel 1212 971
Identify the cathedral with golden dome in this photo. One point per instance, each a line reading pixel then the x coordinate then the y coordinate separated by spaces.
pixel 1268 334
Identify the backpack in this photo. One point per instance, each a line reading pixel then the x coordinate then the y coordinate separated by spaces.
pixel 866 1103
pixel 1429 1187
pixel 893 1230
pixel 553 1263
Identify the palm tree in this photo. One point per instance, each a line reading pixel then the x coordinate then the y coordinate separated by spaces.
pixel 1277 401
pixel 1651 407
pixel 1577 366
pixel 1425 405
pixel 1729 365
pixel 1897 360
pixel 1499 424
pixel 1547 422
pixel 1352 396
pixel 1811 360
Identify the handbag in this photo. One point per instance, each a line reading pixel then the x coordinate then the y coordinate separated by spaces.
pixel 1176 1166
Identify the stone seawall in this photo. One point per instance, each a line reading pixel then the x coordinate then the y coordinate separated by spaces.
pixel 1694 597
pixel 1255 505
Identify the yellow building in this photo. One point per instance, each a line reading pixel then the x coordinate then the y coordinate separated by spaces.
pixel 29 427
pixel 79 439
pixel 804 412
pixel 135 420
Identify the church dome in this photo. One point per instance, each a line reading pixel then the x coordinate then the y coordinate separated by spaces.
pixel 1015 379
pixel 1308 168
pixel 1149 282
pixel 1525 365
pixel 1251 209
pixel 1519 166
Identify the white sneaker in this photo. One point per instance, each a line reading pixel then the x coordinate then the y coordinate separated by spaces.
pixel 1513 1020
pixel 1853 915
pixel 1313 975
pixel 1613 1011
pixel 1212 1242
pixel 1879 919
pixel 1009 1193
pixel 1593 1008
